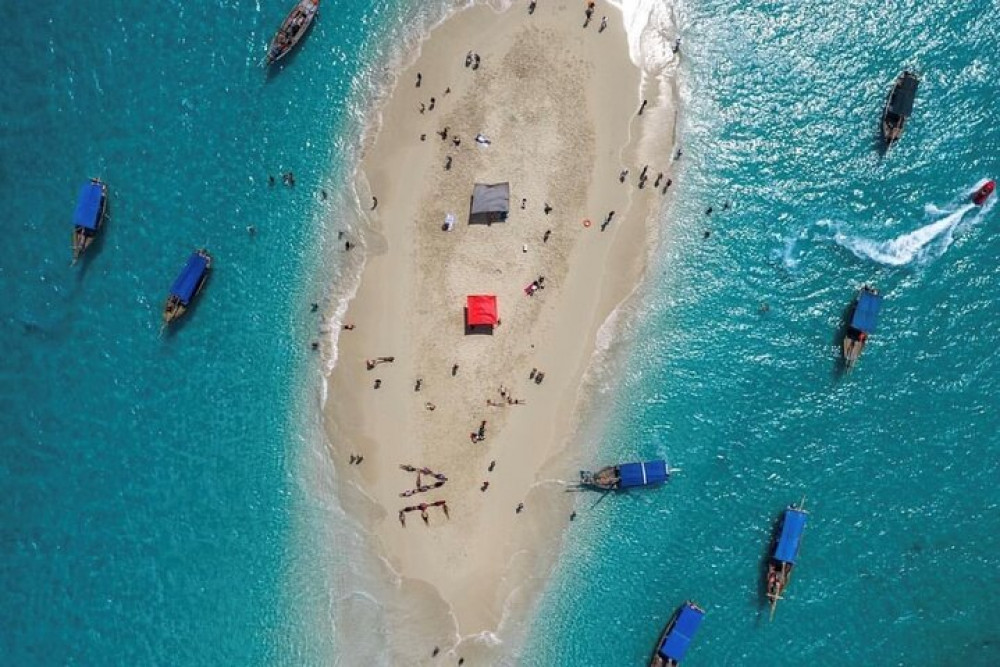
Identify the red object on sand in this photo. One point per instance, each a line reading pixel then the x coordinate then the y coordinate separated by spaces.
pixel 481 310
pixel 980 196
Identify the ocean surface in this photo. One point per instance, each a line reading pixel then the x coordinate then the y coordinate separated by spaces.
pixel 731 370
pixel 166 498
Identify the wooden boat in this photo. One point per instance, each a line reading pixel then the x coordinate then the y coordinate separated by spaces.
pixel 899 106
pixel 91 206
pixel 292 29
pixel 784 552
pixel 864 319
pixel 626 475
pixel 187 285
pixel 677 636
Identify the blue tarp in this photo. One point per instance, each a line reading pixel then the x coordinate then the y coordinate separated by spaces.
pixel 865 316
pixel 88 206
pixel 187 282
pixel 642 474
pixel 791 534
pixel 676 643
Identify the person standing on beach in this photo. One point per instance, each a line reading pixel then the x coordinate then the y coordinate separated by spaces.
pixel 643 107
pixel 604 24
pixel 468 58
pixel 531 7
pixel 419 79
pixel 374 203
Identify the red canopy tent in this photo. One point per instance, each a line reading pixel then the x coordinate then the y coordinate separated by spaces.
pixel 481 310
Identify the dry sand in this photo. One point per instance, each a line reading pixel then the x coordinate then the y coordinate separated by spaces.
pixel 558 103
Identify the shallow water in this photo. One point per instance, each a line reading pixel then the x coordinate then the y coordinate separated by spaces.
pixel 897 460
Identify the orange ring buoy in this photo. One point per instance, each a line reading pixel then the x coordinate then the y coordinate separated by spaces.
pixel 586 222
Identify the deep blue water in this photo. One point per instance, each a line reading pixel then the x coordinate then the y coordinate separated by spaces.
pixel 898 459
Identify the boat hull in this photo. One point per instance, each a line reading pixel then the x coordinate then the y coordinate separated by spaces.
pixel 292 30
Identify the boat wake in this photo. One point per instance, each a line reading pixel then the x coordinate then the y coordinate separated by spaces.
pixel 930 240
pixel 922 244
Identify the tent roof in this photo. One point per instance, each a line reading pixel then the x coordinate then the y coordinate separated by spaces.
pixel 88 206
pixel 676 643
pixel 490 198
pixel 482 310
pixel 865 316
pixel 642 474
pixel 791 534
pixel 187 282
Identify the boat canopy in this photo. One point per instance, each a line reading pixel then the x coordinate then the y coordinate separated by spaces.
pixel 187 282
pixel 901 101
pixel 88 206
pixel 643 474
pixel 675 644
pixel 791 534
pixel 865 316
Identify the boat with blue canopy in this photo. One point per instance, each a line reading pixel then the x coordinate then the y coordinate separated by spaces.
pixel 627 475
pixel 677 636
pixel 785 551
pixel 864 319
pixel 187 285
pixel 88 218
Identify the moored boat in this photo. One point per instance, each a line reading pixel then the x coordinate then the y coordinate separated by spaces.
pixel 677 636
pixel 784 552
pixel 899 106
pixel 88 218
pixel 980 196
pixel 187 285
pixel 864 319
pixel 292 29
pixel 627 475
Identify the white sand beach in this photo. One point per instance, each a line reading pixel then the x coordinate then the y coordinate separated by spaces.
pixel 558 103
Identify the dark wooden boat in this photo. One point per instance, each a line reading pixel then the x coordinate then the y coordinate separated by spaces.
pixel 899 106
pixel 88 218
pixel 676 638
pixel 784 552
pixel 187 285
pixel 292 29
pixel 864 319
pixel 627 475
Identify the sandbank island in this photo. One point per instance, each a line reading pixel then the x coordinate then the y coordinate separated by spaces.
pixel 555 107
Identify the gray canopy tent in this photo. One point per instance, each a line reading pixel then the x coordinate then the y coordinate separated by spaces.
pixel 490 203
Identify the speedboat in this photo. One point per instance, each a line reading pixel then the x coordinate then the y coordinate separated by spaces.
pixel 187 285
pixel 899 106
pixel 88 217
pixel 784 553
pixel 292 29
pixel 864 319
pixel 980 196
pixel 677 636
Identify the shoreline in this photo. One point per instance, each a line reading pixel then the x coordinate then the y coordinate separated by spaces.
pixel 485 539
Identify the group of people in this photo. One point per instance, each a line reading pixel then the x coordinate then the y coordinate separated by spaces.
pixel 439 478
pixel 423 507
pixel 472 60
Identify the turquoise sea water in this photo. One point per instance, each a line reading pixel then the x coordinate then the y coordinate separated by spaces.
pixel 152 504
pixel 898 459
pixel 150 496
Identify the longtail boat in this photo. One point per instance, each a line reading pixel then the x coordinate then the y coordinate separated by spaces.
pixel 899 106
pixel 677 636
pixel 864 319
pixel 187 285
pixel 292 29
pixel 784 552
pixel 88 217
pixel 626 475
